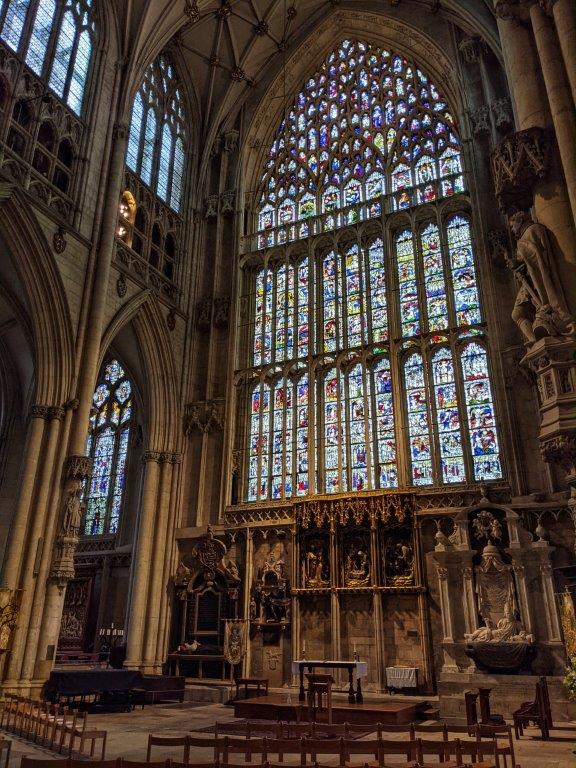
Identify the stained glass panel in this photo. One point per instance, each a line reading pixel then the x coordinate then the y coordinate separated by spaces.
pixel 14 23
pixel 407 285
pixel 358 423
pixel 447 418
pixel 40 35
pixel 434 283
pixel 302 423
pixel 387 470
pixel 378 300
pixel 480 412
pixel 463 273
pixel 332 302
pixel 418 420
pixel 332 433
pixel 353 299
pixel 108 444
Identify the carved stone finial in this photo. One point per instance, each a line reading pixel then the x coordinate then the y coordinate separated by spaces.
pixel 518 163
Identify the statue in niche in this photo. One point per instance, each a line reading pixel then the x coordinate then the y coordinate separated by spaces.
pixel 270 600
pixel 497 603
pixel 356 564
pixel 315 565
pixel 399 564
pixel 540 308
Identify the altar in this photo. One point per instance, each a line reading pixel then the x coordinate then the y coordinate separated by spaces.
pixel 356 671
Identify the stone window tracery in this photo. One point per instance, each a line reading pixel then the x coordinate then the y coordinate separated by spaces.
pixel 108 445
pixel 368 356
pixel 156 140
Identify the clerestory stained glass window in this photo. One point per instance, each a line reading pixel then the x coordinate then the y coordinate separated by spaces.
pixel 156 140
pixel 33 27
pixel 369 347
pixel 108 444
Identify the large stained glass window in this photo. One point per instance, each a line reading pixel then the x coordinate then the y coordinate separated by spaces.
pixel 108 445
pixel 368 359
pixel 156 139
pixel 34 27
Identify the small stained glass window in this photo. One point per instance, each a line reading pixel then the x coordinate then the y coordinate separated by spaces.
pixel 108 444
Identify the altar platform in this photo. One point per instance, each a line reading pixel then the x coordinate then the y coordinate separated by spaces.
pixel 275 707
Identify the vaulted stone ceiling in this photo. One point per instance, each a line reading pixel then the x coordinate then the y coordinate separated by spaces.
pixel 228 48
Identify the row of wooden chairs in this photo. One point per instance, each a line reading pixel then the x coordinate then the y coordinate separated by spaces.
pixel 502 733
pixel 450 753
pixel 51 725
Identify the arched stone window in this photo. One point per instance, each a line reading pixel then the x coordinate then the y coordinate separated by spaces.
pixel 108 445
pixel 366 339
pixel 156 141
pixel 56 41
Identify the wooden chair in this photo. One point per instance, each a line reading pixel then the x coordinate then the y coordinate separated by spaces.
pixel 440 728
pixel 406 749
pixel 5 746
pixel 360 747
pixel 474 753
pixel 251 684
pixel 114 763
pixel 230 746
pixel 65 718
pixel 92 737
pixel 446 752
pixel 283 747
pixel 319 686
pixel 48 762
pixel 227 729
pixel 470 698
pixel 363 730
pixel 323 730
pixel 258 730
pixel 6 711
pixel 71 722
pixel 385 728
pixel 204 743
pixel 486 717
pixel 168 741
pixel 142 764
pixel 464 730
pixel 292 730
pixel 537 712
pixel 503 750
pixel 315 747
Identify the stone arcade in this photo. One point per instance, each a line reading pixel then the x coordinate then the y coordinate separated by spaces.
pixel 288 340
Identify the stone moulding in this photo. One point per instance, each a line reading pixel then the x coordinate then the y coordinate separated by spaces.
pixel 518 162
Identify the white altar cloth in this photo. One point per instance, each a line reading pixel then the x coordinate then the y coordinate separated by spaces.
pixel 402 677
pixel 360 667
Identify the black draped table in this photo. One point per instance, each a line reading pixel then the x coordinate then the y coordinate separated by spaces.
pixel 356 670
pixel 102 686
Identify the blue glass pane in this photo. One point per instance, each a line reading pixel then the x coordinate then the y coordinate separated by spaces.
pixel 164 166
pixel 119 481
pixel 80 72
pixel 14 23
pixel 177 175
pixel 133 153
pixel 40 35
pixel 148 152
pixel 63 52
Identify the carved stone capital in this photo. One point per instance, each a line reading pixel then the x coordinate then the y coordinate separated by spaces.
pixel 211 206
pixel 560 450
pixel 204 417
pixel 547 6
pixel 442 573
pixel 77 468
pixel 40 411
pixel 204 314
pixel 120 131
pixel 518 163
pixel 502 111
pixel 480 120
pixel 228 202
pixel 471 48
pixel 231 140
pixel 222 311
pixel 151 456
pixel 57 413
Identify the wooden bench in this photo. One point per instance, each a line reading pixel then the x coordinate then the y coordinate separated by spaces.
pixel 259 684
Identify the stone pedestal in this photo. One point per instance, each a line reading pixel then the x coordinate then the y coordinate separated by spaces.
pixel 508 692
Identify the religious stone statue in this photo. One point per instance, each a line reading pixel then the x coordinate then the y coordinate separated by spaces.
pixel 540 309
pixel 315 566
pixel 399 564
pixel 356 565
pixel 496 602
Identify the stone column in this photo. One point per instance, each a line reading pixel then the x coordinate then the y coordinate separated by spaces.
pixel 103 597
pixel 142 561
pixel 22 657
pixel 559 97
pixel 468 595
pixel 564 13
pixel 161 547
pixel 19 524
pixel 551 203
pixel 377 609
pixel 169 565
pixel 247 582
pixel 334 601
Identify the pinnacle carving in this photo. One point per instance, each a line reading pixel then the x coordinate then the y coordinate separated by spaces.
pixel 518 162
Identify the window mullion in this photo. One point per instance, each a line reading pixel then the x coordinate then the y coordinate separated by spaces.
pixel 445 253
pixel 53 40
pixel 462 411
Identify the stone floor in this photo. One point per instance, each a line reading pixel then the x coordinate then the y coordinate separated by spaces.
pixel 128 732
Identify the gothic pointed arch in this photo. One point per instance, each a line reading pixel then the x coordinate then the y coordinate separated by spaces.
pixel 46 303
pixel 360 270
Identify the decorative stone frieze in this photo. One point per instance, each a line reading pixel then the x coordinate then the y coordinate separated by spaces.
pixel 518 163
